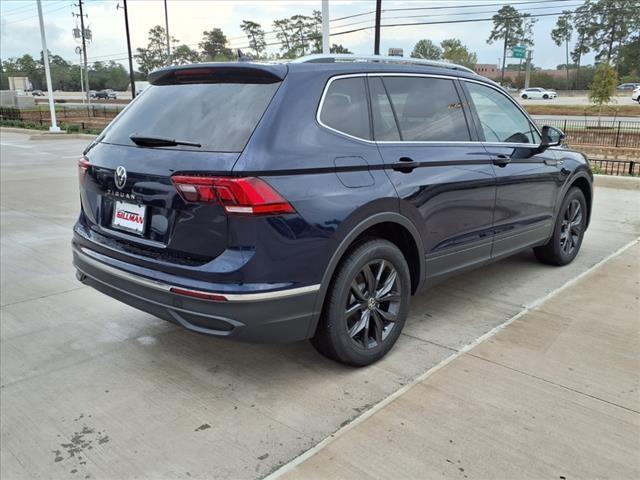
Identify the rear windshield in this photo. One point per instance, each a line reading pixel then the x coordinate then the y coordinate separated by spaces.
pixel 220 116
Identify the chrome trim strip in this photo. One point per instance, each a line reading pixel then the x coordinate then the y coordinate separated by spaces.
pixel 231 297
pixel 423 142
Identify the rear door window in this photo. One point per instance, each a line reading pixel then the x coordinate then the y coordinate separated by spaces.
pixel 385 127
pixel 427 109
pixel 345 107
pixel 219 116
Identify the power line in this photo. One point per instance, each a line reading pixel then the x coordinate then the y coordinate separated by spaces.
pixel 447 7
pixel 24 19
pixel 455 14
pixel 471 20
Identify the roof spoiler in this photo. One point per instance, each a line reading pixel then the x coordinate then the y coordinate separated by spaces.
pixel 228 72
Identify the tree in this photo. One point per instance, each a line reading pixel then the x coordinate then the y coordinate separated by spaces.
pixel 314 31
pixel 581 24
pixel 255 33
pixel 427 50
pixel 612 22
pixel 183 55
pixel 508 26
pixel 454 51
pixel 214 45
pixel 562 34
pixel 283 34
pixel 603 87
pixel 155 55
pixel 629 58
pixel 338 48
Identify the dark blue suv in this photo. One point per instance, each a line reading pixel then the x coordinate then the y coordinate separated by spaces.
pixel 281 202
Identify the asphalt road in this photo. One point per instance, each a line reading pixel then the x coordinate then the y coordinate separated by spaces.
pixel 92 389
pixel 582 100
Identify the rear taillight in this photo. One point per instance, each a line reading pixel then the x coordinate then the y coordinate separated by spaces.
pixel 83 166
pixel 249 195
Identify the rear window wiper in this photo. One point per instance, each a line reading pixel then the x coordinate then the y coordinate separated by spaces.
pixel 147 141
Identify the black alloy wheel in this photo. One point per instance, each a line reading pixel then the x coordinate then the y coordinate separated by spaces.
pixel 571 222
pixel 372 306
pixel 366 304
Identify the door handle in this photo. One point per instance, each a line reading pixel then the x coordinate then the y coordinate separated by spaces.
pixel 405 165
pixel 501 160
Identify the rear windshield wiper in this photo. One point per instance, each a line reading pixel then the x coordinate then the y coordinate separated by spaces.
pixel 146 141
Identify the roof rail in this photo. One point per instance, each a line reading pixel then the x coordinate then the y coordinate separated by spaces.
pixel 344 57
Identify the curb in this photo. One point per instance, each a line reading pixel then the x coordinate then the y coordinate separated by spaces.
pixel 613 181
pixel 44 135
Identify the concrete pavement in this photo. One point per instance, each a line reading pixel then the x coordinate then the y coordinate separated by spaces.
pixel 93 388
pixel 556 394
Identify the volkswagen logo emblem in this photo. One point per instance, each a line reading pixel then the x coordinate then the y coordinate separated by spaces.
pixel 120 177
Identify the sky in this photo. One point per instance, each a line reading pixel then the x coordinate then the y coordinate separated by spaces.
pixel 189 18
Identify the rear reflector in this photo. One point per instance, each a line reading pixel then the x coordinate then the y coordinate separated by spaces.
pixel 200 295
pixel 244 196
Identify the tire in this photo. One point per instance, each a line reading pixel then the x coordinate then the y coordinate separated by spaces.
pixel 524 97
pixel 545 96
pixel 562 247
pixel 357 328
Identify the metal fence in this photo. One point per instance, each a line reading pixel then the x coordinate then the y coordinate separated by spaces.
pixel 94 116
pixel 606 133
pixel 615 167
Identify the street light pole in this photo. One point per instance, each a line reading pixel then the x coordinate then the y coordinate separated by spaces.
pixel 376 41
pixel 166 22
pixel 45 56
pixel 326 49
pixel 131 79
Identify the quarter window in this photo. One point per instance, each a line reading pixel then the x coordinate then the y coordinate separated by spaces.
pixel 345 107
pixel 500 119
pixel 427 109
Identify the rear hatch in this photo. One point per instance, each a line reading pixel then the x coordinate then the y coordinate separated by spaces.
pixel 192 121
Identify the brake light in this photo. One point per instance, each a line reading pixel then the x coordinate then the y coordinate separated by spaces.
pixel 248 195
pixel 83 166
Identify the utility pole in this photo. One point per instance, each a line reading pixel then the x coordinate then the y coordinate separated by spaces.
pixel 84 52
pixel 79 52
pixel 504 52
pixel 527 75
pixel 166 22
pixel 45 56
pixel 126 26
pixel 376 41
pixel 326 49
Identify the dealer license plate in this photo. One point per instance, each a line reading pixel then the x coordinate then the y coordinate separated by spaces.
pixel 129 217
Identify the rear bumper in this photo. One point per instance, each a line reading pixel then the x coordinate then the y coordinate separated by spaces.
pixel 259 316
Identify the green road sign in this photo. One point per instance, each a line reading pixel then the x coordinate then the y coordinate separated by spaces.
pixel 519 51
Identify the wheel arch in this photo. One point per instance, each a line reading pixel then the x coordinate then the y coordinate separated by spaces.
pixel 391 226
pixel 583 182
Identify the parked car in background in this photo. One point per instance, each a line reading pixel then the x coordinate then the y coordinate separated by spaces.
pixel 627 86
pixel 537 93
pixel 635 95
pixel 107 94
pixel 37 93
pixel 92 93
pixel 312 199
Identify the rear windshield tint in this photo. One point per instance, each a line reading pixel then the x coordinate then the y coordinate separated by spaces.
pixel 221 116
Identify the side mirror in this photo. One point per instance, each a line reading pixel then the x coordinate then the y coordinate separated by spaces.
pixel 551 137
